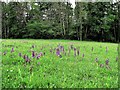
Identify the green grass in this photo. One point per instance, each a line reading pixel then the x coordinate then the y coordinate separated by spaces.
pixel 54 72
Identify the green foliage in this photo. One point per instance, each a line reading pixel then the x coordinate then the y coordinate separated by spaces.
pixel 60 20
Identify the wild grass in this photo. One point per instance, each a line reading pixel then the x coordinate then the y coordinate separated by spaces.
pixel 53 71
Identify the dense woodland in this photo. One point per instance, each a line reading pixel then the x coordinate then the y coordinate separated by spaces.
pixel 98 21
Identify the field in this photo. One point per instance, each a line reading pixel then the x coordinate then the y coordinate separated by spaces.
pixel 59 64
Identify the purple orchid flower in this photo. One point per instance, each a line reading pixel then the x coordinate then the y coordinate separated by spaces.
pixel 27 59
pixel 39 55
pixel 57 52
pixel 107 62
pixel 33 54
pixel 12 50
pixel 74 49
pixel 24 57
pixel 60 47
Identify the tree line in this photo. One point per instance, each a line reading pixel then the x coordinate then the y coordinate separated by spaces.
pixel 98 21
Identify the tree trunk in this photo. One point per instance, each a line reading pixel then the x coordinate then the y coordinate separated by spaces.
pixel 86 33
pixel 102 36
pixel 119 21
pixel 78 33
pixel 81 32
pixel 64 29
pixel 115 32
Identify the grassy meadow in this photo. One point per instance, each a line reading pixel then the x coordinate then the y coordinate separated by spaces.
pixel 58 64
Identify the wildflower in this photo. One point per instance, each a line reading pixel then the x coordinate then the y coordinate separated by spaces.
pixel 24 56
pixel 41 54
pixel 38 56
pixel 12 50
pixel 57 52
pixel 27 59
pixel 60 47
pixel 33 53
pixel 78 52
pixel 107 61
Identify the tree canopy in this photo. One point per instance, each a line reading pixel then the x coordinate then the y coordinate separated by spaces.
pixel 98 21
